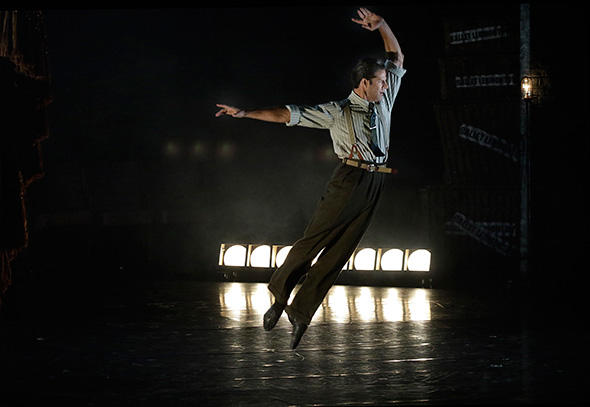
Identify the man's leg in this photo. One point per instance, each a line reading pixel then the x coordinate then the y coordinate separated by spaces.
pixel 347 233
pixel 323 227
pixel 353 222
pixel 326 270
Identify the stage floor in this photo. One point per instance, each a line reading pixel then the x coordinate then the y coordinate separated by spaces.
pixel 201 343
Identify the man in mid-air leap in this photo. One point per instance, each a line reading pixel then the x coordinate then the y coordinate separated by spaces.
pixel 359 126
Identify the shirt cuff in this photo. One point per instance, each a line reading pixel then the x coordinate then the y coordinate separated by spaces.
pixel 295 115
pixel 394 69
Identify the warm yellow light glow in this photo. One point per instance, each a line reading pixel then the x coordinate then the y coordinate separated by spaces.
pixel 245 303
pixel 392 306
pixel 419 305
pixel 338 304
pixel 527 87
pixel 260 256
pixel 419 260
pixel 235 256
pixel 266 256
pixel 260 299
pixel 234 300
pixel 365 304
pixel 365 259
pixel 392 259
pixel 282 255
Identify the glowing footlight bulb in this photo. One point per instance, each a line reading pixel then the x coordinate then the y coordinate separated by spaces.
pixel 365 259
pixel 282 255
pixel 419 260
pixel 392 260
pixel 260 257
pixel 235 256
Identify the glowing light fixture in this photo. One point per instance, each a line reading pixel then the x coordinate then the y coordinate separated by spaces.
pixel 282 255
pixel 526 87
pixel 419 260
pixel 234 256
pixel 392 260
pixel 267 256
pixel 364 259
pixel 260 256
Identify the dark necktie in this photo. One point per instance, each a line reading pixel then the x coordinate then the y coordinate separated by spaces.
pixel 373 128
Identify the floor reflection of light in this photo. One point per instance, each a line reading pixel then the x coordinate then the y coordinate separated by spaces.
pixel 393 308
pixel 365 304
pixel 260 299
pixel 338 304
pixel 419 305
pixel 241 301
pixel 234 299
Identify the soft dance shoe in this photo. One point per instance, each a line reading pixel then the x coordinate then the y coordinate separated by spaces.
pixel 298 331
pixel 271 317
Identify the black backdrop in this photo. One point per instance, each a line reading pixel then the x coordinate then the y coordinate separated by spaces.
pixel 142 181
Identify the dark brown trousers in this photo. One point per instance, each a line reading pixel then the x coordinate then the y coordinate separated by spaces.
pixel 341 218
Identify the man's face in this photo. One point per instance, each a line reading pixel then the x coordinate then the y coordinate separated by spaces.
pixel 376 86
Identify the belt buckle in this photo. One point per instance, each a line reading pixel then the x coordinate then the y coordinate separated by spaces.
pixel 371 167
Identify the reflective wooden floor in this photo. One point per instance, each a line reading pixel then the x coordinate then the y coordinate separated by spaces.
pixel 191 343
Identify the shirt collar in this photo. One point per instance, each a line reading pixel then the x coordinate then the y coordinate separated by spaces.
pixel 357 100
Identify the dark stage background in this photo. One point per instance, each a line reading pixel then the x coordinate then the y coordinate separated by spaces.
pixel 142 182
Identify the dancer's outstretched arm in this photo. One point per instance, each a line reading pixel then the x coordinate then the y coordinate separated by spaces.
pixel 274 114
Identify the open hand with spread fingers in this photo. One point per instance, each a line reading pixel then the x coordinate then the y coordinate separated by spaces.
pixel 368 19
pixel 230 111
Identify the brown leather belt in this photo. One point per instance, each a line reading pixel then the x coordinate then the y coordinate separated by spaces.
pixel 368 167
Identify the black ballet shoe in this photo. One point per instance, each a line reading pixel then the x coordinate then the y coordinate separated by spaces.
pixel 271 317
pixel 298 331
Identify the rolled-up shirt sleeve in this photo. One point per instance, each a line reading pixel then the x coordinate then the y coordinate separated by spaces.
pixel 394 78
pixel 318 116
pixel 295 115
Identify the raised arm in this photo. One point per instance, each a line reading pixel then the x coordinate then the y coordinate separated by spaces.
pixel 372 22
pixel 273 114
